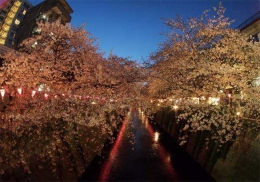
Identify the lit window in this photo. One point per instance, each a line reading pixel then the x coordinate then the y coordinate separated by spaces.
pixel 11 14
pixel 2 41
pixel 6 27
pixel 14 9
pixel 24 12
pixel 17 22
pixel 8 21
pixel 3 34
pixel 213 100
pixel 195 100
pixel 17 3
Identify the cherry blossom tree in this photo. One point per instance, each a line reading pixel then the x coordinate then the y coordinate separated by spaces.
pixel 210 72
pixel 65 66
pixel 59 81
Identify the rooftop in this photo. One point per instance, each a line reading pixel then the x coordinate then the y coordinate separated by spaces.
pixel 249 21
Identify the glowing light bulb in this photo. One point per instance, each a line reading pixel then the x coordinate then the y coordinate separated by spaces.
pixel 33 93
pixel 2 91
pixel 19 91
pixel 175 107
pixel 46 96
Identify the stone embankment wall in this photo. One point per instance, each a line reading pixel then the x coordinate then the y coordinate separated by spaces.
pixel 237 161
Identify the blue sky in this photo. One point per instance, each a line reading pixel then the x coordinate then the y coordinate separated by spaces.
pixel 131 28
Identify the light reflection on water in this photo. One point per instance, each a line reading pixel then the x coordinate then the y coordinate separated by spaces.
pixel 107 167
pixel 163 154
pixel 156 136
pixel 140 127
pixel 151 159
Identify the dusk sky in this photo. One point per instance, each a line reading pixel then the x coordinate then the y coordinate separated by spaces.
pixel 131 28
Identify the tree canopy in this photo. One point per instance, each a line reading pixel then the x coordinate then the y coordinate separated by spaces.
pixel 210 72
pixel 62 74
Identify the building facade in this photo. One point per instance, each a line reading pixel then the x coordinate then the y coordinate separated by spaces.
pixel 49 10
pixel 251 27
pixel 11 16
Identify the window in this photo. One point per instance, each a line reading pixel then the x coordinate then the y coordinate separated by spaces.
pixel 6 27
pixel 14 9
pixel 17 22
pixel 14 28
pixel 12 34
pixel 8 21
pixel 20 16
pixel 256 37
pixel 27 6
pixel 11 14
pixel 2 41
pixel 3 34
pixel 24 12
pixel 17 3
pixel 3 13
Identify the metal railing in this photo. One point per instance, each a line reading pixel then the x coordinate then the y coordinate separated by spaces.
pixel 249 21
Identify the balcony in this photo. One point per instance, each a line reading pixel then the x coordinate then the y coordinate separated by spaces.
pixel 60 10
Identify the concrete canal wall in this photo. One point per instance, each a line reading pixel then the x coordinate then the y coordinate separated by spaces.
pixel 238 161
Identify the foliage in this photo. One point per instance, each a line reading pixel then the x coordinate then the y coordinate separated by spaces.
pixel 64 65
pixel 77 89
pixel 63 78
pixel 203 59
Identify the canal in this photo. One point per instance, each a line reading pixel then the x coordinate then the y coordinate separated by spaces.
pixel 143 152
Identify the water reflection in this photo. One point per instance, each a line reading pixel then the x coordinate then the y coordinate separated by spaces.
pixel 107 167
pixel 149 161
pixel 163 154
pixel 156 136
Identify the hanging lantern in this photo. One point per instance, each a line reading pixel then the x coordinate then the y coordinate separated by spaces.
pixel 33 93
pixel 19 91
pixel 2 92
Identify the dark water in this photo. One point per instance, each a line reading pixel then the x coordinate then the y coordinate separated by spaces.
pixel 141 152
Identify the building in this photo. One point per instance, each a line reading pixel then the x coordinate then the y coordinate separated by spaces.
pixel 11 15
pixel 49 10
pixel 251 27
